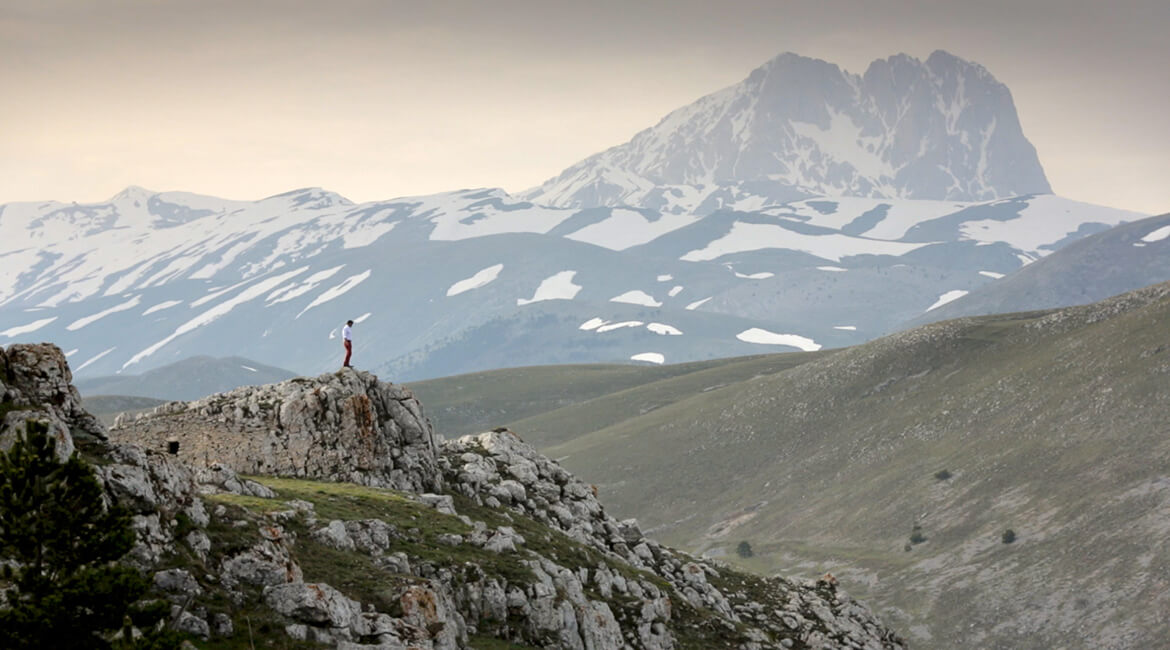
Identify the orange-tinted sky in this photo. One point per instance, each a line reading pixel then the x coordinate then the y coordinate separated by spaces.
pixel 378 99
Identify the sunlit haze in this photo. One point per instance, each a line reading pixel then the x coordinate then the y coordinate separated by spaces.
pixel 376 100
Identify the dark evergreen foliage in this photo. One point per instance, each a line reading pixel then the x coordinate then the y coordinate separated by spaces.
pixel 60 542
pixel 744 549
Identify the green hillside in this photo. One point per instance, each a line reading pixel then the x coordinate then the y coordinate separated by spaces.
pixel 107 407
pixel 479 401
pixel 1052 425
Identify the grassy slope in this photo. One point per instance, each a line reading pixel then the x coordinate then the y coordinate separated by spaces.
pixel 107 407
pixel 570 422
pixel 1054 426
pixel 480 401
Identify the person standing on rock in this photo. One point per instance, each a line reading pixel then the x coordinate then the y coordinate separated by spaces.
pixel 347 341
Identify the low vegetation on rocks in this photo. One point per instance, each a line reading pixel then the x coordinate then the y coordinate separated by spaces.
pixel 478 542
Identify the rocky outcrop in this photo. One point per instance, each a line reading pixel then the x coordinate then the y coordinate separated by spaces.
pixel 342 426
pixel 499 470
pixel 35 384
pixel 516 548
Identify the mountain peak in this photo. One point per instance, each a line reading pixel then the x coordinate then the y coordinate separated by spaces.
pixel 132 193
pixel 943 129
pixel 315 197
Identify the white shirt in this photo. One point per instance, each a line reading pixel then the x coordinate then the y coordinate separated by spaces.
pixel 345 333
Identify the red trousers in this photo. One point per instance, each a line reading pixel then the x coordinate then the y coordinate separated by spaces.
pixel 348 351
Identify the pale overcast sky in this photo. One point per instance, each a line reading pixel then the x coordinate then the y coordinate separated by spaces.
pixel 379 99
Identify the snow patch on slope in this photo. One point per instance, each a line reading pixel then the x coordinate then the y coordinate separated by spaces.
pixel 25 329
pixel 764 337
pixel 295 290
pixel 479 279
pixel 161 306
pixel 334 292
pixel 1157 235
pixel 664 329
pixel 616 326
pixel 555 287
pixel 82 322
pixel 637 297
pixel 94 358
pixel 758 236
pixel 947 297
pixel 626 228
pixel 251 293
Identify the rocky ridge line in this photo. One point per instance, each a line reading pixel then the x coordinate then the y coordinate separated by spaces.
pixel 342 426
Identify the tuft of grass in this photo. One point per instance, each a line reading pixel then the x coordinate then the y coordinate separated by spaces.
pixel 246 502
pixel 419 524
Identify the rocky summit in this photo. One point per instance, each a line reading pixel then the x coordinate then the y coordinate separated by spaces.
pixel 360 528
pixel 344 426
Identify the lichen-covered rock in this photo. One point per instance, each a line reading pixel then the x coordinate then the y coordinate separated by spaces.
pixel 342 426
pixel 221 478
pixel 499 467
pixel 35 385
pixel 267 563
pixel 37 375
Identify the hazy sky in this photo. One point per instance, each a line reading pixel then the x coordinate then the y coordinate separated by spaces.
pixel 379 99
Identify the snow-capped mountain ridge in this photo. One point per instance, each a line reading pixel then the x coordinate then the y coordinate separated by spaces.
pixel 784 211
pixel 149 278
pixel 942 129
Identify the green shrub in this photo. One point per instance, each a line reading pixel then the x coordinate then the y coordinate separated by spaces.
pixel 916 536
pixel 1009 536
pixel 744 549
pixel 943 475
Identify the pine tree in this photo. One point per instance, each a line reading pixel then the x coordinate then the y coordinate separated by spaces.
pixel 744 549
pixel 60 542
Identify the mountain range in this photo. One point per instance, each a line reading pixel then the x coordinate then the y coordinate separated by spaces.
pixel 188 379
pixel 739 257
pixel 940 129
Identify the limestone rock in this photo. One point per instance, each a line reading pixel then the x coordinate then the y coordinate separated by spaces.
pixel 342 426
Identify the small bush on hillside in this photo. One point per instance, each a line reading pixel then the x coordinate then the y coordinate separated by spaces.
pixel 942 475
pixel 916 536
pixel 744 549
pixel 1009 536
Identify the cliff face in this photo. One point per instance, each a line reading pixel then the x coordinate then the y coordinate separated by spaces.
pixel 35 384
pixel 515 550
pixel 343 426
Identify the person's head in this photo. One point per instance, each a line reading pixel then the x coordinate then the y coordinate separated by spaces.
pixel 349 322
